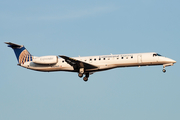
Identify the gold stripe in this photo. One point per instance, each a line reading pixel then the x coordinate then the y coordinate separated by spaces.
pixel 21 56
pixel 24 54
pixel 26 57
pixel 23 60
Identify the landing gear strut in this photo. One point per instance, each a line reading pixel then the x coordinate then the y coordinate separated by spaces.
pixel 165 65
pixel 164 70
pixel 81 72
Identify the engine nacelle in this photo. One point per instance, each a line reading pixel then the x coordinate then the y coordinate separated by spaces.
pixel 47 60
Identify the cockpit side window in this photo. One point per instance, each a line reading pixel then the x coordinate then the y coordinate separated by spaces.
pixel 159 55
pixel 156 55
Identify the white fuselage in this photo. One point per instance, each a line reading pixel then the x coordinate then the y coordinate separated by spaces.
pixel 104 62
pixel 85 66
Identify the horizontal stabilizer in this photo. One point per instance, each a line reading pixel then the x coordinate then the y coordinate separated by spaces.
pixel 12 45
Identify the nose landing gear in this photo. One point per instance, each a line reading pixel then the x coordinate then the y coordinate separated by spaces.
pixel 164 70
pixel 165 65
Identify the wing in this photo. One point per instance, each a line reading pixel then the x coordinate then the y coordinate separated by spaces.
pixel 77 63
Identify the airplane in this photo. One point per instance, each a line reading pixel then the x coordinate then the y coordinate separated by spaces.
pixel 87 65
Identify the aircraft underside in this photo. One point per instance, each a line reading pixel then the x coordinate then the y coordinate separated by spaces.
pixel 87 72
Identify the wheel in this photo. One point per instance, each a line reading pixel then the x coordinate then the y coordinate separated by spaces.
pixel 85 79
pixel 164 70
pixel 80 75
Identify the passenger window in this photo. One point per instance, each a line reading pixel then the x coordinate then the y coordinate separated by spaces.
pixel 104 58
pixel 131 56
pixel 90 59
pixel 99 58
pixel 126 57
pixel 63 61
pixel 117 58
pixel 94 59
pixel 121 57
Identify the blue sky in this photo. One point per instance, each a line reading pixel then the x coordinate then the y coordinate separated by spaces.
pixel 86 28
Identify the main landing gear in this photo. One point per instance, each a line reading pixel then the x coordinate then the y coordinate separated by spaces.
pixel 80 75
pixel 86 77
pixel 81 72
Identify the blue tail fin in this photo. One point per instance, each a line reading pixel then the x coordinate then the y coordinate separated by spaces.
pixel 21 53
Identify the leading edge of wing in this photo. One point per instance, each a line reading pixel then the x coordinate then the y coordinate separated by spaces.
pixel 74 62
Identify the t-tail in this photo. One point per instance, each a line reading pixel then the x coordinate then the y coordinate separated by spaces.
pixel 21 53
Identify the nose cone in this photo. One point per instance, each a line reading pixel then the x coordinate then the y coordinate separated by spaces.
pixel 166 60
pixel 171 60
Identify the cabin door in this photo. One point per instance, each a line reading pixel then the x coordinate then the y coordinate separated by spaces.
pixel 139 58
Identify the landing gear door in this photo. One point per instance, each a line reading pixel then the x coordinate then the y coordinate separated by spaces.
pixel 139 58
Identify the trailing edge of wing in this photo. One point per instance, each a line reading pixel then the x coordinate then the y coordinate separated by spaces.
pixel 77 63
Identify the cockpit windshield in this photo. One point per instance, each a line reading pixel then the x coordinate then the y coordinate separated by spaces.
pixel 156 54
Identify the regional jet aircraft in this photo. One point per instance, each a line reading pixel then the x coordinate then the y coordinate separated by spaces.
pixel 86 65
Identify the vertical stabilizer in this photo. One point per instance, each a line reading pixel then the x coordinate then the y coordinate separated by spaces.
pixel 21 53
